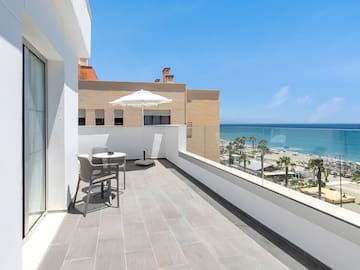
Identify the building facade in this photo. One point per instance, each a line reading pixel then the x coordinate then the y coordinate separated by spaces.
pixel 40 45
pixel 198 109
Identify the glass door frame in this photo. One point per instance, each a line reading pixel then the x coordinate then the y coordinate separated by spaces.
pixel 28 48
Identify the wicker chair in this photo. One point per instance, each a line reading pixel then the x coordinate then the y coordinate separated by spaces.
pixel 89 173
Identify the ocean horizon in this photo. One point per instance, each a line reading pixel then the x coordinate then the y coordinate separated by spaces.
pixel 299 125
pixel 326 140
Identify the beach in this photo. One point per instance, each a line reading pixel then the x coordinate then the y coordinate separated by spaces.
pixel 300 170
pixel 300 161
pixel 338 145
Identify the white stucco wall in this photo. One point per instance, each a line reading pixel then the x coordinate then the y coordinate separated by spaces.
pixel 11 133
pixel 42 25
pixel 157 141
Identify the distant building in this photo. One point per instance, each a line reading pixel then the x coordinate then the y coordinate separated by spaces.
pixel 198 109
pixel 255 165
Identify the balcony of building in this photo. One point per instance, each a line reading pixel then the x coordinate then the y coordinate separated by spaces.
pixel 165 221
pixel 188 212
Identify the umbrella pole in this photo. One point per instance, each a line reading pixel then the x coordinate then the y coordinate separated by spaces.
pixel 143 126
pixel 144 161
pixel 142 114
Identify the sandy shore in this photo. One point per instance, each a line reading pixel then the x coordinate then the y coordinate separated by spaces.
pixel 301 161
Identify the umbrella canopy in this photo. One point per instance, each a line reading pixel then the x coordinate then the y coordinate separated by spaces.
pixel 141 98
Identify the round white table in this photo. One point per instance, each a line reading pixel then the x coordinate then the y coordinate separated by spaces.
pixel 107 155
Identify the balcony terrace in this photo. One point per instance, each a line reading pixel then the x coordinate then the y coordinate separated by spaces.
pixel 188 212
pixel 166 220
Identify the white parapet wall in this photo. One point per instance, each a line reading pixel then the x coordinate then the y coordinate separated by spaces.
pixel 155 140
pixel 327 232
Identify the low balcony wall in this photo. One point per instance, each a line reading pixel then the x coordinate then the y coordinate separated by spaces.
pixel 329 233
pixel 157 141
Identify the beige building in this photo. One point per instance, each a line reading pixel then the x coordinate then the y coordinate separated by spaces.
pixel 198 109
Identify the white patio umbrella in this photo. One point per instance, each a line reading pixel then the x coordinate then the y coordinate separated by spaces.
pixel 141 99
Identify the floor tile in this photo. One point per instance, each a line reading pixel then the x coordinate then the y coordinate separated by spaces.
pixel 199 257
pixel 184 234
pixel 81 264
pixel 167 250
pixel 67 228
pixel 110 227
pixel 141 260
pixel 110 255
pixel 83 244
pixel 54 257
pixel 136 237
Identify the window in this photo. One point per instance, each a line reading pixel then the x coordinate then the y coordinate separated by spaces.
pixel 99 117
pixel 82 117
pixel 34 139
pixel 152 117
pixel 118 118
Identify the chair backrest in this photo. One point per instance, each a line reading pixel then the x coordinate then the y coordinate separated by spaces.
pixel 99 149
pixel 86 169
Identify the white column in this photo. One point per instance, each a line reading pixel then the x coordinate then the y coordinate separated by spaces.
pixel 11 134
pixel 56 141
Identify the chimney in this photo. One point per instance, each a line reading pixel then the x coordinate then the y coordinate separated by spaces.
pixel 157 80
pixel 83 62
pixel 165 71
pixel 169 78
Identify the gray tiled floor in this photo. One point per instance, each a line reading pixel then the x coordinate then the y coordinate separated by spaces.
pixel 163 222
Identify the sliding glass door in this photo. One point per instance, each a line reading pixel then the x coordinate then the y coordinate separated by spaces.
pixel 34 139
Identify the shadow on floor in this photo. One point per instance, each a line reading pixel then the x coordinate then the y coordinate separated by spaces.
pixel 96 201
pixel 130 166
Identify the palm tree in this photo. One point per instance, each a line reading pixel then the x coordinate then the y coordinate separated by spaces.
pixel 240 144
pixel 263 149
pixel 285 162
pixel 326 173
pixel 317 165
pixel 356 175
pixel 243 140
pixel 230 149
pixel 252 139
pixel 245 157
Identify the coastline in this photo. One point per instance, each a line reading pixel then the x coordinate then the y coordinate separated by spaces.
pixel 325 140
pixel 300 160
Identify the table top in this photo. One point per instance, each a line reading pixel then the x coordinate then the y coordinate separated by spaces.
pixel 107 155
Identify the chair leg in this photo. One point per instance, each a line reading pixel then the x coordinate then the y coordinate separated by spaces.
pixel 87 200
pixel 124 178
pixel 110 191
pixel 117 192
pixel 76 192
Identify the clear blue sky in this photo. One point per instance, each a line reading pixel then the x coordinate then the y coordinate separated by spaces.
pixel 276 61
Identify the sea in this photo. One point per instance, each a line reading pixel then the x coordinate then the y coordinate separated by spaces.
pixel 326 140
